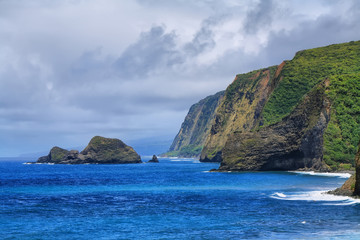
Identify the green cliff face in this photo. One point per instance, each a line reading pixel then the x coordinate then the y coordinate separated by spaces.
pixel 337 140
pixel 262 103
pixel 240 108
pixel 195 128
pixel 99 150
pixel 293 143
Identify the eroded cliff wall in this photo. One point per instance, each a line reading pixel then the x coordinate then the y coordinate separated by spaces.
pixel 240 108
pixel 195 128
pixel 293 143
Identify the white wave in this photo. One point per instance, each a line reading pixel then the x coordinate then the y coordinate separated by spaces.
pixel 316 196
pixel 280 195
pixel 324 174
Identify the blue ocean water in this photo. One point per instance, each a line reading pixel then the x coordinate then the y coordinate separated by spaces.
pixel 175 199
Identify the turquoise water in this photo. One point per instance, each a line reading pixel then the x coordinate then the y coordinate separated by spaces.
pixel 175 199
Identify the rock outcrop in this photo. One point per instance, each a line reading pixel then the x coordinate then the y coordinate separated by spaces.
pixel 294 143
pixel 195 128
pixel 347 189
pixel 56 155
pixel 154 159
pixel 352 186
pixel 100 150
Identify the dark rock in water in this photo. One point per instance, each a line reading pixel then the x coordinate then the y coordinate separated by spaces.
pixel 99 150
pixel 357 173
pixel 154 159
pixel 347 189
pixel 352 186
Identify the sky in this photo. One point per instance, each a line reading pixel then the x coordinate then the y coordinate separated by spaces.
pixel 131 69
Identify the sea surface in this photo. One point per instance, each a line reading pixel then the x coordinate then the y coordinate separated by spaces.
pixel 174 199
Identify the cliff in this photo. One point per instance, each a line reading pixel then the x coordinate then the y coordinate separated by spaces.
pixel 306 110
pixel 293 143
pixel 239 109
pixel 195 128
pixel 100 150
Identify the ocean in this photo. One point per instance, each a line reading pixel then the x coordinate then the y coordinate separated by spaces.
pixel 174 199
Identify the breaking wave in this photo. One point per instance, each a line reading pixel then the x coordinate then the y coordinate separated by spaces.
pixel 325 174
pixel 316 196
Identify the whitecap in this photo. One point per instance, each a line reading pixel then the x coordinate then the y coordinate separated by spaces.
pixel 316 196
pixel 323 174
pixel 279 195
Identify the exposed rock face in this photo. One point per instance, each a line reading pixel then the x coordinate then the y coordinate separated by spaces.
pixel 352 186
pixel 195 128
pixel 293 143
pixel 347 189
pixel 240 108
pixel 357 173
pixel 154 159
pixel 99 150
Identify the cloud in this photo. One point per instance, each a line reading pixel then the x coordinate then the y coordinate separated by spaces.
pixel 131 69
pixel 155 49
pixel 259 17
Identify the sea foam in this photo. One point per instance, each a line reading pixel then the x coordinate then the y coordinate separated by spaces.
pixel 325 174
pixel 316 196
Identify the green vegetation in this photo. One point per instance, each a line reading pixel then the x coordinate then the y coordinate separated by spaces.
pixel 343 133
pixel 339 63
pixel 195 128
pixel 57 154
pixel 307 69
pixel 246 83
pixel 186 151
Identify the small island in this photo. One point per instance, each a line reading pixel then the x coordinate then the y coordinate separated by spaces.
pixel 154 159
pixel 100 150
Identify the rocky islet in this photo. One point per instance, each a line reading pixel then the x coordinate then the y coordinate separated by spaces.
pixel 100 150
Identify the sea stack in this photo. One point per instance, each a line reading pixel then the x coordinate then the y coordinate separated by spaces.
pixel 100 150
pixel 357 173
pixel 154 159
pixel 352 186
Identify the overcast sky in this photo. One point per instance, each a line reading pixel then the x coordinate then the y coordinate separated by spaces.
pixel 72 69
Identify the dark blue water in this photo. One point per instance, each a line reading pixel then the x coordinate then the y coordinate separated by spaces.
pixel 169 200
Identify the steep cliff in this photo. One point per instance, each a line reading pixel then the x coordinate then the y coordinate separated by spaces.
pixel 195 128
pixel 239 125
pixel 99 150
pixel 293 143
pixel 240 108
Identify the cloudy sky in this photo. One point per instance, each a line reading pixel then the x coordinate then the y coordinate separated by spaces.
pixel 72 69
